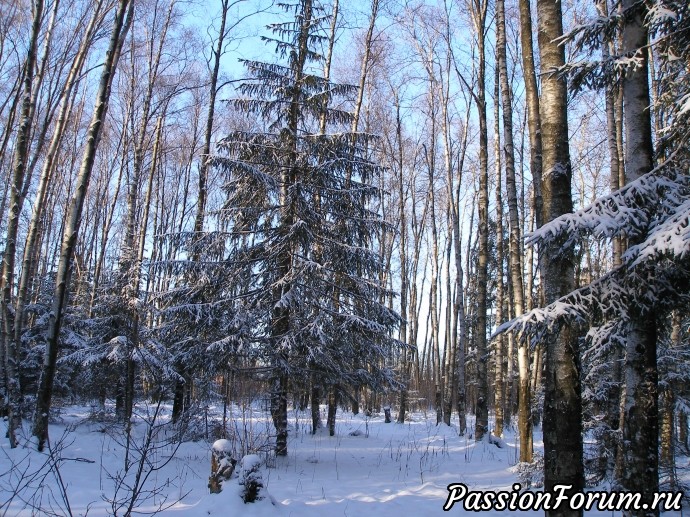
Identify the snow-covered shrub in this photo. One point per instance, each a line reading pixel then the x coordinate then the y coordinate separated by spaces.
pixel 251 478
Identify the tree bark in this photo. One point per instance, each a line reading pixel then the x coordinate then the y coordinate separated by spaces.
pixel 208 133
pixel 123 18
pixel 535 139
pixel 66 104
pixel 612 123
pixel 499 371
pixel 16 96
pixel 407 356
pixel 315 410
pixel 683 429
pixel 19 167
pixel 640 471
pixel 279 413
pixel 482 409
pixel 563 404
pixel 332 409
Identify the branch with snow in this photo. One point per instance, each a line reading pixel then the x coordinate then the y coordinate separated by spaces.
pixel 629 211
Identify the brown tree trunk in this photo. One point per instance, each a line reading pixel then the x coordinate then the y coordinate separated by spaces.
pixel 282 317
pixel 535 139
pixel 517 288
pixel 279 413
pixel 407 355
pixel 612 124
pixel 315 410
pixel 206 150
pixel 667 419
pixel 332 409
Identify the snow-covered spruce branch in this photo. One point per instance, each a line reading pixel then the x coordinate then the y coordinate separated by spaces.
pixel 586 36
pixel 601 339
pixel 630 211
pixel 650 284
pixel 670 237
pixel 151 355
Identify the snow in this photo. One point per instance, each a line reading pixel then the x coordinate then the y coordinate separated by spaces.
pixel 250 462
pixel 384 469
pixel 222 445
pixel 685 105
pixel 625 211
pixel 659 13
pixel 672 236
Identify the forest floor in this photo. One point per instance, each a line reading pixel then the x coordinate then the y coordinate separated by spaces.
pixel 368 467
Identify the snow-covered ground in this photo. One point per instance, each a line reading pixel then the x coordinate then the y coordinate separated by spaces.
pixel 368 468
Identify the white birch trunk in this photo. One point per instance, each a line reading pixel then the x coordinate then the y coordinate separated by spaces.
pixel 121 25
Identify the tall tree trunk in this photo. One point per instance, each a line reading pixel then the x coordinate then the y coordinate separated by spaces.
pixel 108 221
pixel 315 410
pixel 459 321
pixel 123 18
pixel 434 350
pixel 332 409
pixel 535 139
pixel 356 114
pixel 499 377
pixel 279 414
pixel 136 278
pixel 666 434
pixel 47 108
pixel 66 103
pixel 563 404
pixel 218 51
pixel 456 311
pixel 16 96
pixel 130 265
pixel 407 355
pixel 482 410
pixel 533 110
pixel 281 324
pixel 516 284
pixel 19 167
pixel 612 122
pixel 450 346
pixel 318 252
pixel 206 150
pixel 640 471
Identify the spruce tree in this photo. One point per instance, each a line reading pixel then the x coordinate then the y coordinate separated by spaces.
pixel 303 230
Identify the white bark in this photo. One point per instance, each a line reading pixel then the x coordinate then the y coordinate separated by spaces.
pixel 123 18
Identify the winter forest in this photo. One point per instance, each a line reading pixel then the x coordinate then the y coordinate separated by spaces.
pixel 438 241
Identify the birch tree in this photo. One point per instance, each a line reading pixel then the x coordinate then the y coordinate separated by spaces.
pixel 524 396
pixel 123 18
pixel 562 422
pixel 19 167
pixel 479 17
pixel 640 471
